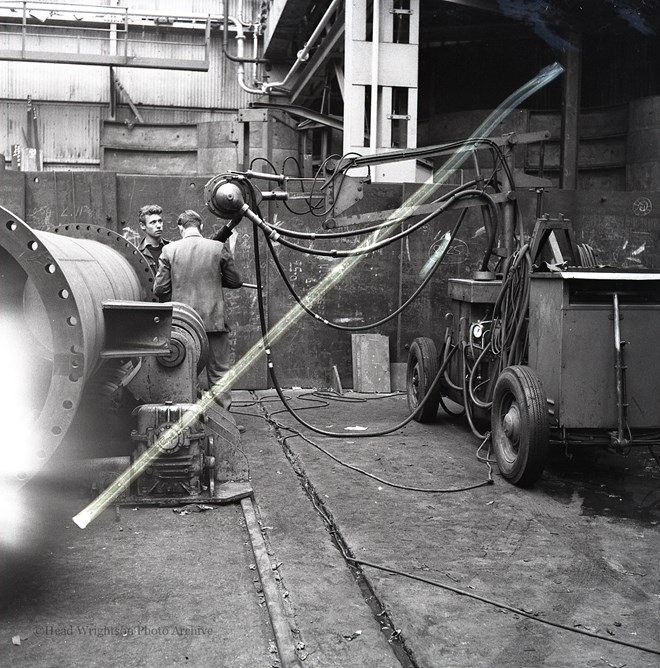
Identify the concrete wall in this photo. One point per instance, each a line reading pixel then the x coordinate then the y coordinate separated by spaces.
pixel 623 228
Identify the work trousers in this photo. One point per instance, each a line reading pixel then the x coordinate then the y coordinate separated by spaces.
pixel 218 364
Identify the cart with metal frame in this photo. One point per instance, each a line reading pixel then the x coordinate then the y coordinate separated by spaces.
pixel 549 354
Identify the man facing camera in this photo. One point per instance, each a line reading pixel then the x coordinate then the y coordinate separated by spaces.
pixel 193 270
pixel 152 243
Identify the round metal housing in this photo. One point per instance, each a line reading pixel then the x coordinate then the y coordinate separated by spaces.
pixel 52 287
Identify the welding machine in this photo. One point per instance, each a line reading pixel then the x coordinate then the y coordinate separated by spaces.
pixel 552 351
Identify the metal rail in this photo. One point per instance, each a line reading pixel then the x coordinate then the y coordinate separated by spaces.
pixel 106 30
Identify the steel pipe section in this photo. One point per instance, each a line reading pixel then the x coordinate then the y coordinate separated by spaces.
pixel 52 331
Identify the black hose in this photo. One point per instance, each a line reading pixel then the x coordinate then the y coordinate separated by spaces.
pixel 275 232
pixel 382 321
pixel 312 236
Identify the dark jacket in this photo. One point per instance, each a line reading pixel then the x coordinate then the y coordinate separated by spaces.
pixel 194 270
pixel 145 249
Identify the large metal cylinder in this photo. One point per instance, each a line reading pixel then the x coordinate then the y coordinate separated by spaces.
pixel 52 330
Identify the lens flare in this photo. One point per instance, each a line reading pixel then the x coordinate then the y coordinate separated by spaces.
pixel 16 438
pixel 16 415
pixel 336 274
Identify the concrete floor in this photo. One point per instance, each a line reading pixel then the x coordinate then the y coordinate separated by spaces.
pixel 579 549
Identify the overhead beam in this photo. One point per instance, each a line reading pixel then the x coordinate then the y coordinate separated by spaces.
pixel 333 37
pixel 105 59
pixel 303 112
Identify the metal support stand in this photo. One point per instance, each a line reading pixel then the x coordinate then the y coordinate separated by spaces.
pixel 619 441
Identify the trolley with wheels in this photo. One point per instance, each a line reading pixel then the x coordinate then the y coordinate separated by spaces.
pixel 538 359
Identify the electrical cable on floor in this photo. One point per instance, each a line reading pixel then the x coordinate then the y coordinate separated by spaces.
pixel 486 460
pixel 489 601
pixel 389 483
pixel 276 423
pixel 368 434
pixel 320 403
pixel 498 604
pixel 255 402
pixel 335 396
pixel 343 548
pixel 357 469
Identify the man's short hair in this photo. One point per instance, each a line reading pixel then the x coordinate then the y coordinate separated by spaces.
pixel 149 210
pixel 189 218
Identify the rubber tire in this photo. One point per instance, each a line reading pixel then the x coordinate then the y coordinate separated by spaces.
pixel 420 373
pixel 521 459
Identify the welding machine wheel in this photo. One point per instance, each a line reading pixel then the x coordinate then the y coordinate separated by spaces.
pixel 519 425
pixel 422 370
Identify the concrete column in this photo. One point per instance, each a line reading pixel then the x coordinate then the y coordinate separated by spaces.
pixel 372 68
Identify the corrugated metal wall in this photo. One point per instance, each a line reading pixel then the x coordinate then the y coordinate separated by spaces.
pixel 70 133
pixel 67 133
pixel 177 7
pixel 218 88
pixel 48 81
pixel 174 7
pixel 73 100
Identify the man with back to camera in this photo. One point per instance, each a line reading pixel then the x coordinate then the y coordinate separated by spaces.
pixel 151 223
pixel 193 270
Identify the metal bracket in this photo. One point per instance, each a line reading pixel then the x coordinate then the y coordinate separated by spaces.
pixel 135 329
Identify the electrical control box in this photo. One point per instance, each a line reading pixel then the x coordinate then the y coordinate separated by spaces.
pixel 571 345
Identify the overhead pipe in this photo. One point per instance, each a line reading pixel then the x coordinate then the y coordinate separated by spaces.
pixel 303 54
pixel 240 36
pixel 240 57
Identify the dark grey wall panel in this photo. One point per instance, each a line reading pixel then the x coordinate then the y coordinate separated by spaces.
pixel 623 228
